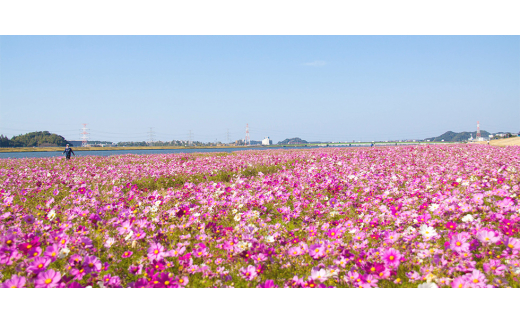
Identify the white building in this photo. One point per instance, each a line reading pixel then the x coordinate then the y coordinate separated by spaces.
pixel 266 141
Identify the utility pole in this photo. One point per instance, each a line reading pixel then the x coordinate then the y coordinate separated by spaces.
pixel 190 135
pixel 84 137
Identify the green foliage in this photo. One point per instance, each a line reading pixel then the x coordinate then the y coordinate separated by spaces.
pixel 153 183
pixel 35 139
pixel 4 141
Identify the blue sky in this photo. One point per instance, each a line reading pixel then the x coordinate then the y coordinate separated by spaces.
pixel 315 87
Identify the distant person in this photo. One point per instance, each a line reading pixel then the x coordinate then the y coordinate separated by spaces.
pixel 68 151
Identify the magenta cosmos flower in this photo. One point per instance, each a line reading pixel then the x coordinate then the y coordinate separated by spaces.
pixel 52 252
pixel 38 265
pixel 451 226
pixel 14 282
pixel 392 257
pixel 267 284
pixel 92 264
pixel 126 254
pixel 47 279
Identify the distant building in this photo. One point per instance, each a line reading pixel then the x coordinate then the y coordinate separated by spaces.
pixel 266 141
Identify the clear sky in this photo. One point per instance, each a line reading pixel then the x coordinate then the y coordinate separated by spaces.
pixel 318 88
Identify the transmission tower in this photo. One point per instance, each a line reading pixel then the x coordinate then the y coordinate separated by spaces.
pixel 151 136
pixel 190 136
pixel 247 140
pixel 478 131
pixel 228 141
pixel 84 136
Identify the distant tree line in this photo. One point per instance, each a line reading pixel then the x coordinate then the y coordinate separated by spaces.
pixel 34 139
pixel 165 143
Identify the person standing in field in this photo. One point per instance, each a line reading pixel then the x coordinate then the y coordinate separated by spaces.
pixel 68 151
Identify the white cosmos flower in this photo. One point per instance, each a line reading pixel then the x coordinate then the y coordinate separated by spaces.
pixel 428 285
pixel 269 239
pixel 433 207
pixel 237 217
pixel 427 231
pixel 63 253
pixel 130 234
pixel 51 214
pixel 109 242
pixel 467 218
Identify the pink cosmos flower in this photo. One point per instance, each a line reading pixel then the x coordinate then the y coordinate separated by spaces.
pixel 341 261
pixel 14 282
pixel 495 267
pixel 476 279
pixel 155 251
pixel 78 273
pixel 459 282
pixel 458 243
pixel 48 279
pixel 183 281
pixel 140 234
pixel 512 243
pixel 124 228
pixel 294 251
pixel 391 237
pixel 248 273
pixel 317 251
pixel 334 233
pixel 260 257
pixel 371 280
pixel 487 236
pixel 8 256
pixel 136 270
pixel 319 274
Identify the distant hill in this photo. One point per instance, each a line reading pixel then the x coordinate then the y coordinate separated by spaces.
pixel 292 141
pixel 458 136
pixel 35 139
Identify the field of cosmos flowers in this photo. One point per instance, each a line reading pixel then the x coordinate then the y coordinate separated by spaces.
pixel 420 216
